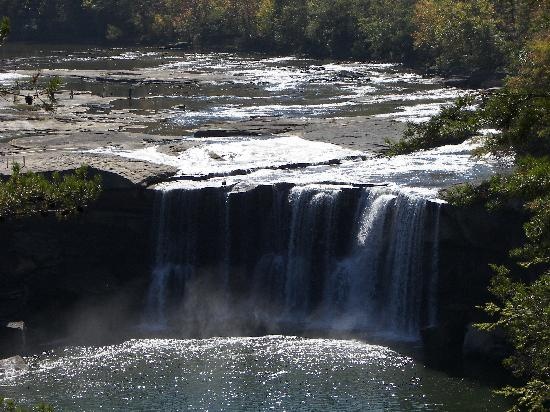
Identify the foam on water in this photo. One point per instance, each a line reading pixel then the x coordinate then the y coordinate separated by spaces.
pixel 418 113
pixel 10 78
pixel 227 155
pixel 315 86
pixel 422 172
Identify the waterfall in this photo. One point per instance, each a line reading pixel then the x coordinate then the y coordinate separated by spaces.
pixel 303 256
pixel 310 240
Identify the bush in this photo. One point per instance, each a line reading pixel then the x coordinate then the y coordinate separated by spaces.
pixel 31 194
pixel 464 194
pixel 453 125
pixel 9 405
pixel 524 313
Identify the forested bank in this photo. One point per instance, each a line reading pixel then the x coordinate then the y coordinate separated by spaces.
pixel 478 37
pixel 519 114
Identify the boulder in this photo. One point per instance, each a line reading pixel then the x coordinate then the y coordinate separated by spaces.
pixel 486 345
pixel 15 364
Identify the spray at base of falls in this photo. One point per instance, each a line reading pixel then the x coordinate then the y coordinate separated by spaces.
pixel 285 258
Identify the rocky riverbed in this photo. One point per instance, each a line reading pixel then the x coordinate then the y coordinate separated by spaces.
pixel 123 101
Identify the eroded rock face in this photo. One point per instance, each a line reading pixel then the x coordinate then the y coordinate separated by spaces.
pixel 485 345
pixel 52 270
pixel 470 240
pixel 88 276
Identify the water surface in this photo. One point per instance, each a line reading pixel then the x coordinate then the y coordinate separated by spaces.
pixel 243 374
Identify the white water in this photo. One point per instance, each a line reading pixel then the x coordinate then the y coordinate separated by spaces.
pixel 252 161
pixel 307 269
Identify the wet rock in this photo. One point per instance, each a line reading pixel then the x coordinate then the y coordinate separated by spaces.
pixel 224 133
pixel 486 345
pixel 180 45
pixel 16 325
pixel 214 155
pixel 12 365
pixel 347 74
pixel 460 82
pixel 12 339
pixel 479 79
pixel 442 344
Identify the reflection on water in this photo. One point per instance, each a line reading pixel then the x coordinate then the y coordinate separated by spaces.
pixel 280 373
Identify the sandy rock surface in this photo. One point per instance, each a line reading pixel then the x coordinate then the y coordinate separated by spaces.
pixel 62 139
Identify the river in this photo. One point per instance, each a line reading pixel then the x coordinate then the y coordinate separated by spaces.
pixel 278 229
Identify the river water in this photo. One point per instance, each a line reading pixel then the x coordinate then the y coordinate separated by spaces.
pixel 272 372
pixel 227 86
pixel 243 374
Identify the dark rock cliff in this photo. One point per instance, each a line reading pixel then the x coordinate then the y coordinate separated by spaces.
pixel 470 240
pixel 87 276
pixel 53 272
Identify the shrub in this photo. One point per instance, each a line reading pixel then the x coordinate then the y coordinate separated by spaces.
pixel 453 125
pixel 31 194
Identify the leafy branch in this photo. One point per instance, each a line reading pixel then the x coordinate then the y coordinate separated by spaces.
pixel 29 194
pixel 9 405
pixel 4 29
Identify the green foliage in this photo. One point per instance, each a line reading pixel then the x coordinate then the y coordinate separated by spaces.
pixel 522 293
pixel 31 194
pixel 42 92
pixel 522 109
pixel 331 28
pixel 453 125
pixel 9 405
pixel 461 37
pixel 464 195
pixel 529 184
pixel 458 36
pixel 4 29
pixel 386 30
pixel 524 121
pixel 523 308
pixel 530 180
pixel 525 316
pixel 53 86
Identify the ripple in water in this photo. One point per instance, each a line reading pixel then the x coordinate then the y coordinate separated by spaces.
pixel 244 374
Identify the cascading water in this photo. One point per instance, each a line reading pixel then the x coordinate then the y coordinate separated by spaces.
pixel 286 257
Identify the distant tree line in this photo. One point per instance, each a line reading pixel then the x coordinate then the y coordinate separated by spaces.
pixel 464 36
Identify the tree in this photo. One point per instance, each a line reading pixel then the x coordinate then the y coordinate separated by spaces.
pixel 332 28
pixel 522 109
pixel 458 36
pixel 521 306
pixel 525 316
pixel 386 29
